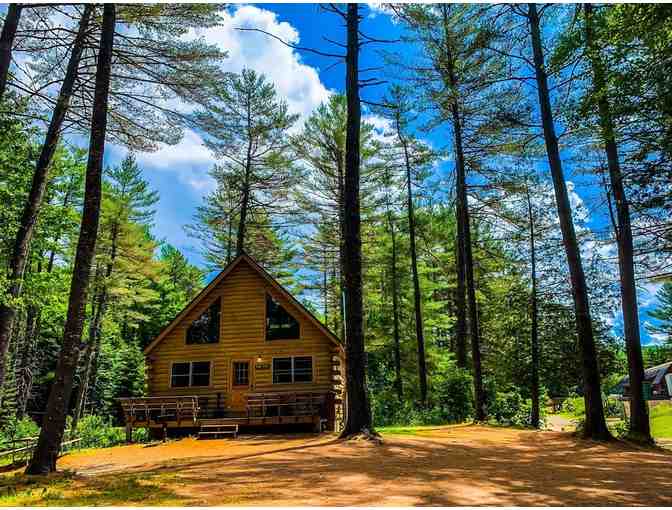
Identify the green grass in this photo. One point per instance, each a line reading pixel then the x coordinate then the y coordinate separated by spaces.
pixel 410 430
pixel 661 421
pixel 68 489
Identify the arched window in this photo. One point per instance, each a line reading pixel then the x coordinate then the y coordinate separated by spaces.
pixel 280 325
pixel 205 329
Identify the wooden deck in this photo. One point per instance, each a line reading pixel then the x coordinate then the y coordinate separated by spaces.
pixel 261 409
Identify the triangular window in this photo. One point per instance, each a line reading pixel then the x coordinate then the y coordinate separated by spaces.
pixel 205 329
pixel 280 325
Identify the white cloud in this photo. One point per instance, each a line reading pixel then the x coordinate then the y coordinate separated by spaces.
pixel 295 81
pixel 298 83
pixel 647 294
pixel 376 8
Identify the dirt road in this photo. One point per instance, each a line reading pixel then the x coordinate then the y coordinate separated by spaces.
pixel 460 465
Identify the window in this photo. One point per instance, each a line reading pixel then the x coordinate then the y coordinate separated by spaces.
pixel 296 369
pixel 282 370
pixel 303 369
pixel 205 329
pixel 190 373
pixel 280 325
pixel 180 375
pixel 241 373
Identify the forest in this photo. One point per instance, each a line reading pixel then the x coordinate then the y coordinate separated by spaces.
pixel 462 272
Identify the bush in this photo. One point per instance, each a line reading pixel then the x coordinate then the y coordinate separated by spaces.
pixel 451 401
pixel 614 408
pixel 18 429
pixel 574 405
pixel 98 432
pixel 510 408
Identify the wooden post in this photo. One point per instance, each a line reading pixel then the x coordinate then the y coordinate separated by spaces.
pixel 165 431
pixel 129 432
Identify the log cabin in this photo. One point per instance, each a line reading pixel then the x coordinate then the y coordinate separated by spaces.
pixel 243 352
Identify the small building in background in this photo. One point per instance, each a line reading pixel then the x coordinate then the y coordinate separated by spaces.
pixel 657 383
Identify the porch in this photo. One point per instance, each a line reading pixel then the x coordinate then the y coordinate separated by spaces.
pixel 261 409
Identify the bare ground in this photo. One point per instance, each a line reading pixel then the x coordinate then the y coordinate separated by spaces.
pixel 447 466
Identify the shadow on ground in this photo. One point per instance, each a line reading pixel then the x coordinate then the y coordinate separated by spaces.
pixel 447 466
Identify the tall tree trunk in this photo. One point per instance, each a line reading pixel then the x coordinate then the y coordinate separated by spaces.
pixel 464 230
pixel 242 221
pixel 358 409
pixel 639 414
pixel 17 263
pixel 460 298
pixel 398 383
pixel 534 328
pixel 9 29
pixel 51 434
pixel 341 241
pixel 595 426
pixel 417 296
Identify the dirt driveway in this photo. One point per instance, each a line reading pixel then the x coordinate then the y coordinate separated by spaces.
pixel 460 465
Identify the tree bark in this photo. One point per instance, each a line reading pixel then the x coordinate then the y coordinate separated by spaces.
pixel 398 383
pixel 595 426
pixel 464 232
pixel 417 304
pixel 17 263
pixel 53 427
pixel 640 429
pixel 242 222
pixel 460 298
pixel 358 408
pixel 9 29
pixel 534 327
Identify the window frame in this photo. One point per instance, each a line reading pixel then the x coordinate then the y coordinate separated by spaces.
pixel 233 373
pixel 218 299
pixel 211 366
pixel 292 357
pixel 268 294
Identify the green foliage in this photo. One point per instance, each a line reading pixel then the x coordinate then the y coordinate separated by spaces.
pixel 663 314
pixel 97 431
pixel 511 408
pixel 18 429
pixel 452 402
pixel 574 405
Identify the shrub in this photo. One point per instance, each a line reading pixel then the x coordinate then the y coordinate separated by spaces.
pixel 614 408
pixel 510 408
pixel 18 429
pixel 451 401
pixel 98 432
pixel 574 405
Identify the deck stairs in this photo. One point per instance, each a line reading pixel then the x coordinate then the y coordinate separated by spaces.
pixel 215 428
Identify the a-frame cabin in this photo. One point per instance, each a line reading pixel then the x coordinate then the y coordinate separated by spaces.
pixel 243 352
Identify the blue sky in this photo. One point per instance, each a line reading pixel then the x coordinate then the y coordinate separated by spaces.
pixel 179 172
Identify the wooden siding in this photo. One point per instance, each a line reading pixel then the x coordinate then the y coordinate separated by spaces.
pixel 242 336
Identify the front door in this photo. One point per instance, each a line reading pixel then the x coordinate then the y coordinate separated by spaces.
pixel 241 382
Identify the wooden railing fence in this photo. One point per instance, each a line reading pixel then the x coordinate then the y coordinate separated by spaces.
pixel 21 448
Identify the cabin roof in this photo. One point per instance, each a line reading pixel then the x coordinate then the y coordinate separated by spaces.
pixel 654 375
pixel 243 257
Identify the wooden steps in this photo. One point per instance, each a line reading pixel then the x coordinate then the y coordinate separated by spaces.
pixel 215 428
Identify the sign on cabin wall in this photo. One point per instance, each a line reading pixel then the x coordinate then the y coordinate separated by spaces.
pixel 262 366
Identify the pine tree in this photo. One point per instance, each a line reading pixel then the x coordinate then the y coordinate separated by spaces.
pixel 247 130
